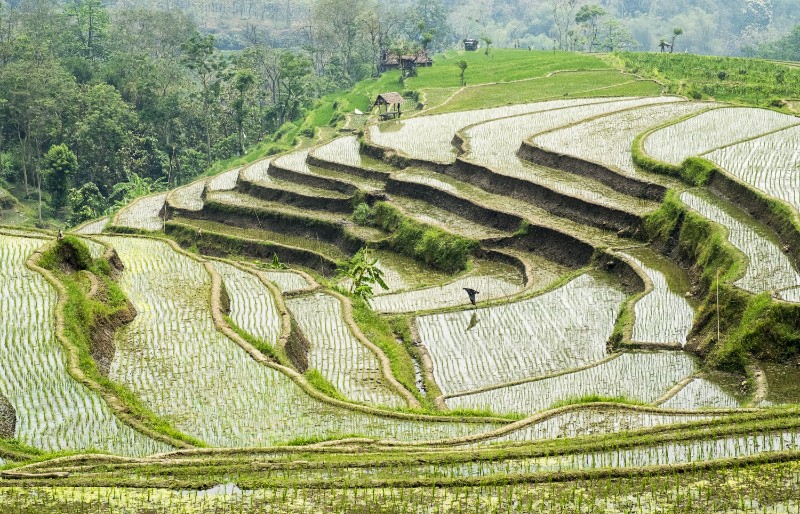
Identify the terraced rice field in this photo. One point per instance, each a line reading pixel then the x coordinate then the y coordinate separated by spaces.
pixel 342 150
pixel 491 280
pixel 566 328
pixel 429 137
pixel 714 129
pixel 768 268
pixel 188 197
pixel 444 219
pixel 589 422
pixel 54 412
pixel 252 305
pixel 160 353
pixel 225 181
pixel 770 164
pixel 607 140
pixel 95 227
pixel 701 394
pixel 257 172
pixel 352 368
pixel 662 315
pixel 287 280
pixel 427 394
pixel 142 214
pixel 494 144
pixel 643 377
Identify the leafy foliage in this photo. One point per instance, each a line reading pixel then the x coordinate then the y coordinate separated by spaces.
pixel 363 272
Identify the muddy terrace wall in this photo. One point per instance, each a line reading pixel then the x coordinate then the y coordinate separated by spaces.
pixel 274 194
pixel 771 212
pixel 348 170
pixel 263 219
pixel 455 204
pixel 629 185
pixel 629 225
pixel 551 244
pixel 221 245
pixel 311 180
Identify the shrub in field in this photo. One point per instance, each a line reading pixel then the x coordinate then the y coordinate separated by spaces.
pixel 428 244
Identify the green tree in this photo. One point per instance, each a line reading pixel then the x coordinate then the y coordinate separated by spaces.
pixel 242 82
pixel 85 203
pixel 337 37
pixel 89 26
pixel 786 48
pixel 589 18
pixel 59 167
pixel 106 127
pixel 488 42
pixel 677 31
pixel 363 272
pixel 202 58
pixel 462 65
pixel 616 36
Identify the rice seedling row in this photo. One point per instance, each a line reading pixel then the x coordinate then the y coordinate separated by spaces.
pixel 563 329
pixel 336 353
pixel 492 280
pixel 188 197
pixel 252 305
pixel 96 250
pixel 661 316
pixel 143 213
pixel 769 268
pixel 430 137
pixel 608 140
pixel 173 358
pixel 701 394
pixel 754 489
pixel 588 422
pixel 342 150
pixel 713 129
pixel 225 181
pixel 92 228
pixel 670 453
pixel 642 377
pixel 54 412
pixel 259 173
pixel 287 281
pixel 243 200
pixel 770 163
pixel 494 144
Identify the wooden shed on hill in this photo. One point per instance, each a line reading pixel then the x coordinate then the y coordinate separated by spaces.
pixel 388 105
pixel 471 45
pixel 391 60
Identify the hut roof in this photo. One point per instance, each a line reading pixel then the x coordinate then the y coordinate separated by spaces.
pixel 389 98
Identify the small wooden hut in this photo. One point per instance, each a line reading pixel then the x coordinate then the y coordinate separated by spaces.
pixel 470 45
pixel 388 105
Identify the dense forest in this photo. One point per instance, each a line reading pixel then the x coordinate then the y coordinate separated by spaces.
pixel 102 102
